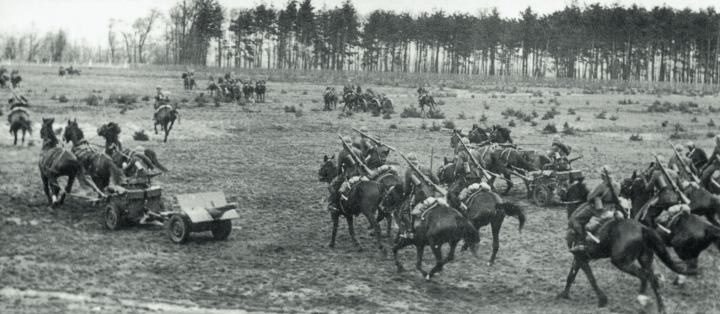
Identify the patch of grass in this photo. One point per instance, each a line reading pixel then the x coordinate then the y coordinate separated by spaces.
pixel 92 100
pixel 410 112
pixel 146 98
pixel 289 109
pixel 710 134
pixel 711 123
pixel 299 113
pixel 140 136
pixel 664 124
pixel 571 111
pixel 63 99
pixel 483 118
pixel 435 127
pixel 423 126
pixel 636 138
pixel 462 116
pixel 550 128
pixel 568 130
pixel 387 116
pixel 435 114
pixel 511 123
pixel 123 99
pixel 449 124
pixel 613 118
pixel 393 126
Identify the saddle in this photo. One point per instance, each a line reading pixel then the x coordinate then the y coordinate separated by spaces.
pixel 471 191
pixel 382 172
pixel 670 216
pixel 348 186
pixel 423 208
pixel 17 109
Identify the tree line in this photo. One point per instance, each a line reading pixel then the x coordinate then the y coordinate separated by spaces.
pixel 594 42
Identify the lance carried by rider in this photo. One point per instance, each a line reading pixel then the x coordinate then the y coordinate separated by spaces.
pixel 355 158
pixel 677 190
pixel 422 175
pixel 685 165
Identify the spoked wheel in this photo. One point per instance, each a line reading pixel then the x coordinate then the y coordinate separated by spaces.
pixel 542 195
pixel 221 229
pixel 178 228
pixel 112 218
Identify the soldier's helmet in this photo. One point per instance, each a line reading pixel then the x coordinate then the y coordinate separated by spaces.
pixel 465 140
pixel 363 129
pixel 347 140
pixel 412 158
pixel 690 145
pixel 556 140
pixel 678 148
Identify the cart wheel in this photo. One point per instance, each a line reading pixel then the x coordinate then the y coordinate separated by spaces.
pixel 221 229
pixel 178 228
pixel 542 195
pixel 113 217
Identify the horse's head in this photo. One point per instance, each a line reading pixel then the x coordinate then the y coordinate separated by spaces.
pixel 633 187
pixel 500 134
pixel 328 169
pixel 478 135
pixel 377 156
pixel 110 131
pixel 73 133
pixel 446 173
pixel 47 134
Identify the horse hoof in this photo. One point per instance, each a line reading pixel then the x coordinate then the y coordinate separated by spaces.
pixel 563 295
pixel 400 269
pixel 331 245
pixel 679 280
pixel 490 264
pixel 603 301
pixel 643 300
pixel 427 277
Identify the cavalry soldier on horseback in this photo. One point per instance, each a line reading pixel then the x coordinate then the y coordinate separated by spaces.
pixel 682 164
pixel 698 156
pixel 558 153
pixel 709 175
pixel 412 181
pixel 589 217
pixel 160 97
pixel 363 143
pixel 348 167
pixel 664 182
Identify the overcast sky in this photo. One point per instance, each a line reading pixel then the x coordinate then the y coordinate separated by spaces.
pixel 88 19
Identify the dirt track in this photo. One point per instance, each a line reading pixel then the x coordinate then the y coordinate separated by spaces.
pixel 276 258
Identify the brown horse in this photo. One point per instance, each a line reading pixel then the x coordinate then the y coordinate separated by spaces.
pixel 165 116
pixel 147 158
pixel 19 120
pixel 624 241
pixel 364 198
pixel 97 165
pixel 57 162
pixel 486 208
pixel 438 225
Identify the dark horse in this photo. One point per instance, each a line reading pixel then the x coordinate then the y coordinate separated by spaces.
pixel 501 162
pixel 689 234
pixel 426 100
pixel 165 116
pixel 19 120
pixel 624 241
pixel 364 198
pixel 486 208
pixel 330 98
pixel 260 91
pixel 124 156
pixel 56 162
pixel 438 225
pixel 97 165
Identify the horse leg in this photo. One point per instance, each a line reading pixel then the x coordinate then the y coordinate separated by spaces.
pixel 418 262
pixel 602 298
pixel 437 251
pixel 400 244
pixel 351 230
pixel 15 135
pixel 570 279
pixel 509 183
pixel 23 137
pixel 646 262
pixel 68 188
pixel 376 228
pixel 451 254
pixel 495 225
pixel 46 188
pixel 644 274
pixel 54 189
pixel 335 219
pixel 168 129
pixel 155 126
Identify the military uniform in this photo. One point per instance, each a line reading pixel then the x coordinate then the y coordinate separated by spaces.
pixel 600 204
pixel 412 180
pixel 709 174
pixel 347 168
pixel 665 195
pixel 558 153
pixel 676 165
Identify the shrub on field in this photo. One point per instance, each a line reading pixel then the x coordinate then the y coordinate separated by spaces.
pixel 613 118
pixel 140 136
pixel 713 110
pixel 568 130
pixel 53 97
pixel 537 94
pixel 550 114
pixel 449 124
pixel 435 127
pixel 289 109
pixel 577 118
pixel 710 134
pixel 63 99
pixel 435 114
pixel 664 123
pixel 694 119
pixel 282 91
pixel 711 123
pixel 423 126
pixel 485 105
pixel 533 123
pixel 493 96
pixel 92 100
pixel 483 118
pixel 184 100
pixel 146 98
pixel 387 116
pixel 393 126
pixel 679 128
pixel 550 128
pixel 601 115
pixel 511 123
pixel 682 136
pixel 541 102
pixel 305 92
pixel 345 114
pixel 636 138
pixel 299 113
pixel 571 111
pixel 462 116
pixel 410 112
pixel 123 99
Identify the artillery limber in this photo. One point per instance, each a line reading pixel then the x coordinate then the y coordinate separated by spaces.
pixel 550 186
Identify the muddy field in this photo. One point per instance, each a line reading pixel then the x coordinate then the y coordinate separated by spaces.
pixel 276 259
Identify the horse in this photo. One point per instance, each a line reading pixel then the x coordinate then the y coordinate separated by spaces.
pixel 486 207
pixel 15 78
pixel 97 165
pixel 364 198
pixel 19 120
pixel 113 148
pixel 248 91
pixel 426 100
pixel 440 224
pixel 354 101
pixel 188 80
pixel 446 172
pixel 55 162
pixel 492 159
pixel 330 98
pixel 165 116
pixel 698 156
pixel 689 234
pixel 61 71
pixel 623 241
pixel 260 91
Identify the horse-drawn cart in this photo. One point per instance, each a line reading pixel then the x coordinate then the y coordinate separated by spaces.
pixel 550 186
pixel 140 202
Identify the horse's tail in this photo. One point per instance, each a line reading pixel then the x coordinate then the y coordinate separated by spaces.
pixel 654 242
pixel 153 158
pixel 513 210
